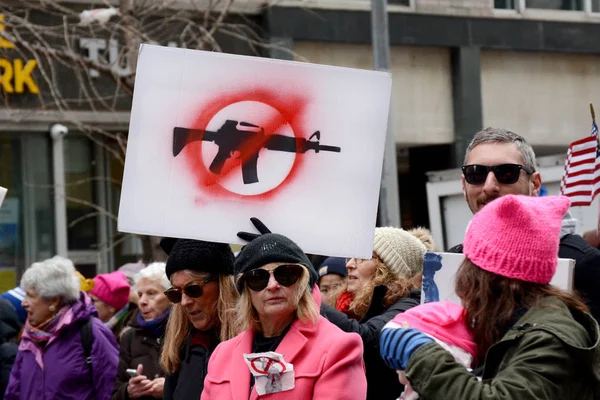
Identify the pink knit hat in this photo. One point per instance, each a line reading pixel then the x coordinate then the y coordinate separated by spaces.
pixel 112 289
pixel 443 320
pixel 517 237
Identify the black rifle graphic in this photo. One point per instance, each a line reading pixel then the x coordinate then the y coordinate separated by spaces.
pixel 236 136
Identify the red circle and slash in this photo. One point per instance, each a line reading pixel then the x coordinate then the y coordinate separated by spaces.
pixel 290 107
pixel 268 364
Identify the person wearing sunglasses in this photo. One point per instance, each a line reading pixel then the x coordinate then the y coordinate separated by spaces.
pixel 499 162
pixel 293 351
pixel 538 341
pixel 203 294
pixel 142 340
pixel 378 289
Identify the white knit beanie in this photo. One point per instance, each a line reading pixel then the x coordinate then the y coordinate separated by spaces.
pixel 400 251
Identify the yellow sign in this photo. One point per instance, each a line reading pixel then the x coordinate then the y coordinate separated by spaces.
pixel 8 279
pixel 15 75
pixel 4 44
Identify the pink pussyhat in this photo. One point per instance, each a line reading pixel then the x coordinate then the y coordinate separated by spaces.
pixel 112 289
pixel 517 237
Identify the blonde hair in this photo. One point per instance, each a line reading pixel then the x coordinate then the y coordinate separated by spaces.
pixel 306 308
pixel 179 326
pixel 397 287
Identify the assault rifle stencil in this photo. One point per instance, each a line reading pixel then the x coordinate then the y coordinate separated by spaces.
pixel 237 136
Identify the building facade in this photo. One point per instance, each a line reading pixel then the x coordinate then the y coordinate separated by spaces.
pixel 531 66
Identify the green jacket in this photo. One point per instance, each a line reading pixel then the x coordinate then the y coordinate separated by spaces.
pixel 550 353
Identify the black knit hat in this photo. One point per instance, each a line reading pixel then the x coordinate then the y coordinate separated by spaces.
pixel 269 248
pixel 197 255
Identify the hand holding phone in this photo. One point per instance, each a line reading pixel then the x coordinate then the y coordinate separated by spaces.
pixel 132 372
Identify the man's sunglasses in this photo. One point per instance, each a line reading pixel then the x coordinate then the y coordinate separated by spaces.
pixel 506 174
pixel 285 274
pixel 191 289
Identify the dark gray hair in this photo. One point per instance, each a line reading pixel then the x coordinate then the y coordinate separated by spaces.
pixel 53 277
pixel 499 135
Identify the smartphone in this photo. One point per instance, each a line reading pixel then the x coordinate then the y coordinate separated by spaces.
pixel 132 372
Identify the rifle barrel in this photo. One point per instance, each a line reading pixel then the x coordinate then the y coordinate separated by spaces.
pixel 333 149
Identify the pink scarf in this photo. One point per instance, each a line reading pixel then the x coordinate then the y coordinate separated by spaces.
pixel 35 339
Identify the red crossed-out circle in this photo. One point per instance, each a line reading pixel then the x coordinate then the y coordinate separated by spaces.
pixel 290 107
pixel 270 362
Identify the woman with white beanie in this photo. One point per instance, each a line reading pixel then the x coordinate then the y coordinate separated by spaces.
pixel 378 289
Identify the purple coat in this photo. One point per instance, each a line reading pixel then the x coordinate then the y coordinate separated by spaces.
pixel 59 371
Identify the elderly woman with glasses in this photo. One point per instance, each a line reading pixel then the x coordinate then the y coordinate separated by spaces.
pixel 287 349
pixel 140 375
pixel 203 293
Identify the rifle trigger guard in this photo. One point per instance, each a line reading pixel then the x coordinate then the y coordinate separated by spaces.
pixel 317 134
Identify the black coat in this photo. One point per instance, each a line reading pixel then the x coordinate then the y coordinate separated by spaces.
pixel 587 268
pixel 188 382
pixel 9 330
pixel 382 382
pixel 138 346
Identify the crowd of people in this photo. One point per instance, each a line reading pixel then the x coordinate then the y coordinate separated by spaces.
pixel 272 321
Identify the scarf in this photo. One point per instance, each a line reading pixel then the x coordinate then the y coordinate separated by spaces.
pixel 343 303
pixel 157 325
pixel 42 333
pixel 117 318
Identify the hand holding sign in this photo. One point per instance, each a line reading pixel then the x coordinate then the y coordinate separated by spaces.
pixel 262 228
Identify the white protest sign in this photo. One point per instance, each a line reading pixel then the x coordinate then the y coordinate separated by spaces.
pixel 215 139
pixel 2 194
pixel 439 276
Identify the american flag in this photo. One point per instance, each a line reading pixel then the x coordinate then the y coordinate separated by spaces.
pixel 581 179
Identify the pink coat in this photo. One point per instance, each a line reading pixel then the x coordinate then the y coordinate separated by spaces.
pixel 328 364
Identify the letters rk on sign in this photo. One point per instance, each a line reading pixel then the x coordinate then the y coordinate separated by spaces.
pixel 216 139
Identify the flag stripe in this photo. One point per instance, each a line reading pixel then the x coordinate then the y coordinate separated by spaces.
pixel 581 177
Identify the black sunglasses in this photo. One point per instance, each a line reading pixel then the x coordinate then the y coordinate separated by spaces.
pixel 506 174
pixel 192 289
pixel 285 274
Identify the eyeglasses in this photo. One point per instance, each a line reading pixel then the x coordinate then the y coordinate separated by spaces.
pixel 192 289
pixel 285 274
pixel 357 261
pixel 506 174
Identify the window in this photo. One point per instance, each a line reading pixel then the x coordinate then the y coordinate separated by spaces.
pixel 569 5
pixel 80 190
pixel 596 6
pixel 400 2
pixel 505 4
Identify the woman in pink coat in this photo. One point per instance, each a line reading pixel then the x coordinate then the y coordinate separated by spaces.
pixel 287 350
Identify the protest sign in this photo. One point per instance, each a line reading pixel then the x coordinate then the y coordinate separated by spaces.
pixel 215 139
pixel 439 273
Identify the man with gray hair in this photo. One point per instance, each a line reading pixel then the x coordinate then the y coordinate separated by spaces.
pixel 500 162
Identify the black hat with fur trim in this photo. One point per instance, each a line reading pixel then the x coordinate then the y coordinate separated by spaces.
pixel 197 255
